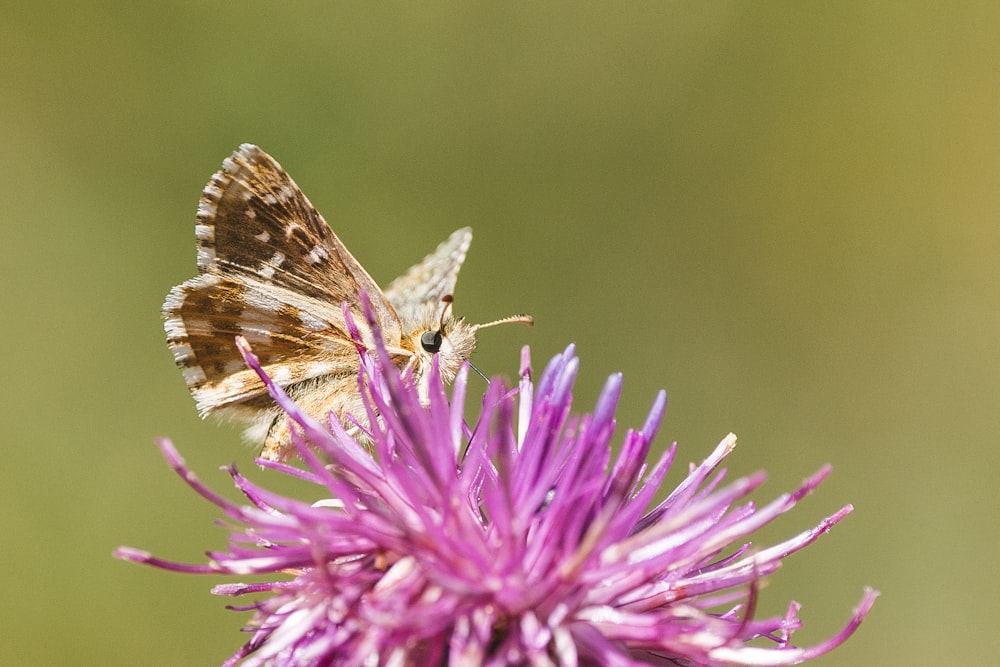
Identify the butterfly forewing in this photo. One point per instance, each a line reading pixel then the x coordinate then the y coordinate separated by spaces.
pixel 254 221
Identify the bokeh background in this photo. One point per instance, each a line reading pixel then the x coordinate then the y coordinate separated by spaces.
pixel 785 214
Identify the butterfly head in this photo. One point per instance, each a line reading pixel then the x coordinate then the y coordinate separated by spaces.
pixel 449 338
pixel 439 334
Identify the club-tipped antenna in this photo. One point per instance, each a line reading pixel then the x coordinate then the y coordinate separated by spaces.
pixel 513 319
pixel 447 300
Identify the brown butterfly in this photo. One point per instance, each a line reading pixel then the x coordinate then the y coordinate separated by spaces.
pixel 271 270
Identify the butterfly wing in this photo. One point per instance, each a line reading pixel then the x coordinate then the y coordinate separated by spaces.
pixel 295 340
pixel 254 221
pixel 430 280
pixel 271 270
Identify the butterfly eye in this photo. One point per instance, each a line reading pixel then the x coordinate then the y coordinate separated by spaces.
pixel 431 341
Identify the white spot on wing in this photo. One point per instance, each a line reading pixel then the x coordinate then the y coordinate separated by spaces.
pixel 264 236
pixel 317 254
pixel 267 270
pixel 174 300
pixel 174 327
pixel 262 302
pixel 205 232
pixel 206 209
pixel 255 334
pixel 193 375
pixel 311 322
pixel 257 326
pixel 182 352
pixel 206 258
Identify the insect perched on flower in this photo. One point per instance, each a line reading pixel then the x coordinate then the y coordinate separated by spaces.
pixel 272 270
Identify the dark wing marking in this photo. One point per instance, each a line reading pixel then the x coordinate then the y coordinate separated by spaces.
pixel 253 220
pixel 295 340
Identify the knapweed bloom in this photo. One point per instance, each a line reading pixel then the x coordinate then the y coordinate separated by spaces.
pixel 522 540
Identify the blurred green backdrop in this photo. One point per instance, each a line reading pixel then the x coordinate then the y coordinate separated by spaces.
pixel 784 214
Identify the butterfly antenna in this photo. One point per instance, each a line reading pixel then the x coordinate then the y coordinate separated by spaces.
pixel 513 319
pixel 521 319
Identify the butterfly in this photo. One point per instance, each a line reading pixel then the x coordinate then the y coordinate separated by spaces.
pixel 272 271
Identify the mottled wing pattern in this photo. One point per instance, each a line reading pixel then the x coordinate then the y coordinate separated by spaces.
pixel 294 340
pixel 253 220
pixel 272 271
pixel 431 279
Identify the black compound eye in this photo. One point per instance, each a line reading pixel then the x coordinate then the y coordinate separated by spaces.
pixel 431 341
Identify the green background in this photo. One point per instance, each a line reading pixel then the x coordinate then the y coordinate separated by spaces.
pixel 785 214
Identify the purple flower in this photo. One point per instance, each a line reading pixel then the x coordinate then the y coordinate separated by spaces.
pixel 520 541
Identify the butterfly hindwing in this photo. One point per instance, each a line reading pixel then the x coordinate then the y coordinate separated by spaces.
pixel 294 340
pixel 432 279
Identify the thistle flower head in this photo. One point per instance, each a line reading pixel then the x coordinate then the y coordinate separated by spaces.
pixel 521 541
